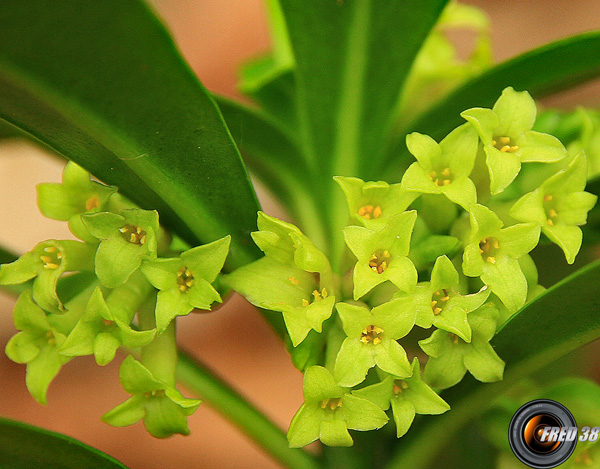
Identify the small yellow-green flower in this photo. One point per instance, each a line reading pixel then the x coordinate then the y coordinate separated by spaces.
pixel 382 255
pixel 329 410
pixel 508 140
pixel 560 205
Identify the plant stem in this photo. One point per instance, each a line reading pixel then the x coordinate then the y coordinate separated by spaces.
pixel 160 355
pixel 241 413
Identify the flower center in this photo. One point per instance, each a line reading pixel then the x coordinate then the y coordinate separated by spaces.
pixel 50 337
pixel 399 386
pixel 454 338
pixel 133 234
pixel 503 144
pixel 92 203
pixel 438 301
pixel 370 211
pixel 156 393
pixel 371 334
pixel 379 261
pixel 317 296
pixel 550 209
pixel 333 403
pixel 441 178
pixel 185 279
pixel 52 257
pixel 488 248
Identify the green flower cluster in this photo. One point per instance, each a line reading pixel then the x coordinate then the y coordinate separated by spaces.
pixel 122 285
pixel 446 250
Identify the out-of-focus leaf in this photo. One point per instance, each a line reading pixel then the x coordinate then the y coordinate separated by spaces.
pixel 541 71
pixel 23 446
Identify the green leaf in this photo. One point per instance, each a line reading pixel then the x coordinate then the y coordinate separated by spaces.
pixel 24 446
pixel 352 59
pixel 350 70
pixel 523 352
pixel 110 92
pixel 535 71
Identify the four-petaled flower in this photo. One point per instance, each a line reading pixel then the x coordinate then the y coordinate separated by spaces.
pixel 438 304
pixel 45 264
pixel 101 332
pixel 77 195
pixel 371 339
pixel 493 252
pixel 37 345
pixel 185 283
pixel 126 239
pixel 373 203
pixel 382 255
pixel 294 278
pixel 161 406
pixel 406 396
pixel 508 140
pixel 443 168
pixel 560 206
pixel 450 357
pixel 329 410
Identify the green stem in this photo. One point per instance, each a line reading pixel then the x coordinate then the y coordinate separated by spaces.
pixel 241 413
pixel 160 355
pixel 126 299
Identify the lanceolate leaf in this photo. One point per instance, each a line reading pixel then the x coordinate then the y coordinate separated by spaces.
pixel 23 446
pixel 541 71
pixel 102 84
pixel 559 321
pixel 351 60
pixel 274 157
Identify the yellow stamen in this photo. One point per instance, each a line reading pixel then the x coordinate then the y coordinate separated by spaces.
pixel 491 259
pixel 548 197
pixel 371 334
pixel 185 279
pixel 368 211
pixel 305 302
pixel 133 234
pixel 332 403
pixel 549 222
pixel 294 280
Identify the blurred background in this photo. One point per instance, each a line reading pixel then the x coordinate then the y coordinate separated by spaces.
pixel 215 36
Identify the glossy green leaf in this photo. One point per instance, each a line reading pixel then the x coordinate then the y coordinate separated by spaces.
pixel 560 320
pixel 352 58
pixel 541 71
pixel 272 86
pixel 23 446
pixel 111 92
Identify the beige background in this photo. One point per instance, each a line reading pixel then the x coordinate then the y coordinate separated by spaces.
pixel 215 36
